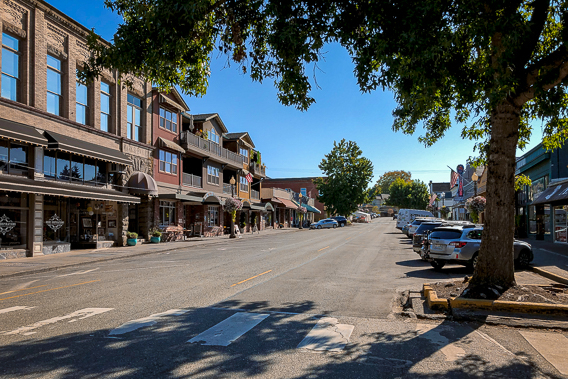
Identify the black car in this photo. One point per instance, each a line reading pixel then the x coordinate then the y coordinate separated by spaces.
pixel 342 221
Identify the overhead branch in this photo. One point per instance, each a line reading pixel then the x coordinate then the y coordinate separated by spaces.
pixel 536 25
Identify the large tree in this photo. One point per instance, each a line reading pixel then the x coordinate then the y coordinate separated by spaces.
pixel 408 194
pixel 347 175
pixel 492 65
pixel 384 182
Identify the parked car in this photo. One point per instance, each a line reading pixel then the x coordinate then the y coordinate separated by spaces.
pixel 405 228
pixel 324 223
pixel 341 221
pixel 420 238
pixel 416 223
pixel 408 215
pixel 461 245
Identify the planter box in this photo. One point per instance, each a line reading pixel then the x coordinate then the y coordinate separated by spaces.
pixel 131 242
pixel 155 239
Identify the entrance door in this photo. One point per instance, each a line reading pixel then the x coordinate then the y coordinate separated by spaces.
pixel 133 218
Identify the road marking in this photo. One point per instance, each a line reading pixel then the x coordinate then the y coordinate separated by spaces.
pixel 12 309
pixel 246 280
pixel 230 329
pixel 450 350
pixel 77 273
pixel 327 335
pixel 347 238
pixel 552 346
pixel 23 289
pixel 323 248
pixel 51 289
pixel 132 325
pixel 80 315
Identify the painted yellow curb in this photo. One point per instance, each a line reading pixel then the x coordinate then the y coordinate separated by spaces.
pixel 549 275
pixel 493 305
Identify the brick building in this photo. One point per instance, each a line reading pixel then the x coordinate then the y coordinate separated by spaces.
pixel 304 186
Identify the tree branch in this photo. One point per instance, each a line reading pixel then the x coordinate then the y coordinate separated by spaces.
pixel 536 23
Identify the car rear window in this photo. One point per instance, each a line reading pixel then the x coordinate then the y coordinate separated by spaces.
pixel 446 234
pixel 425 227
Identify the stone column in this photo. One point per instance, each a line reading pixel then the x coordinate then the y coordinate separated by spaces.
pixel 35 225
pixel 122 223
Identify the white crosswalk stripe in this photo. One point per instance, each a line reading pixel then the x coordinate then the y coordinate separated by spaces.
pixel 328 335
pixel 230 329
pixel 552 346
pixel 146 321
pixel 13 309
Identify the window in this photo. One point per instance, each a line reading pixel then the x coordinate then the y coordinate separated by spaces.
pixel 134 114
pixel 53 85
pixel 244 184
pixel 168 162
pixel 13 158
pixel 212 175
pixel 168 120
pixel 244 152
pixel 168 212
pixel 10 67
pixel 213 215
pixel 81 105
pixel 213 136
pixel 14 210
pixel 49 170
pixel 303 192
pixel 105 107
pixel 64 166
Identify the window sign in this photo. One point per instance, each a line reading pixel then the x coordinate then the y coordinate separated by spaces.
pixel 55 223
pixel 6 224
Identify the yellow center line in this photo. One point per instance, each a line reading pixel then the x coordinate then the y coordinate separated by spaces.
pixel 51 289
pixel 348 238
pixel 23 289
pixel 323 248
pixel 256 276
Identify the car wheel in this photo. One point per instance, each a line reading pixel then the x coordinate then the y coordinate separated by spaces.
pixel 334 226
pixel 473 261
pixel 319 226
pixel 523 260
pixel 437 264
pixel 342 225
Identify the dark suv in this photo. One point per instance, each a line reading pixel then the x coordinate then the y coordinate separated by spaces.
pixel 342 221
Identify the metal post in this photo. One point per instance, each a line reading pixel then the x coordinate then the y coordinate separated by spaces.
pixel 232 182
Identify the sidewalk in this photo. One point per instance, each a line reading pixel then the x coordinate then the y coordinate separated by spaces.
pixel 550 257
pixel 22 266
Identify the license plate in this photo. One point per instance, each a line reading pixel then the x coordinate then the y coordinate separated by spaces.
pixel 437 247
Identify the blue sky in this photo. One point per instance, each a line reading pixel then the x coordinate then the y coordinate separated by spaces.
pixel 292 142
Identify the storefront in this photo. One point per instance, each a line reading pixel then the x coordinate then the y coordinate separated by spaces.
pixel 14 211
pixel 550 211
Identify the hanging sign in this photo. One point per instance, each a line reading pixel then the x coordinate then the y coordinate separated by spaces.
pixel 460 170
pixel 6 224
pixel 55 223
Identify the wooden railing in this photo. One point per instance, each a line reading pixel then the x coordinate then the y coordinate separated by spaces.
pixel 212 147
pixel 254 195
pixel 258 169
pixel 191 180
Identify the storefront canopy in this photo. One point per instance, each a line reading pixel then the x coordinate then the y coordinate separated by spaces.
pixel 311 209
pixel 142 184
pixel 87 149
pixel 185 199
pixel 21 133
pixel 287 203
pixel 553 194
pixel 212 198
pixel 45 187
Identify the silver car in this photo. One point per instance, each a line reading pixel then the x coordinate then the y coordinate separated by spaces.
pixel 324 223
pixel 461 245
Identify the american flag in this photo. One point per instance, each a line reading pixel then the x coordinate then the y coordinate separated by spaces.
pixel 249 177
pixel 454 179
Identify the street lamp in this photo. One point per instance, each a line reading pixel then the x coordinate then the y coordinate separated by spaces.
pixel 232 182
pixel 474 177
pixel 443 196
pixel 300 201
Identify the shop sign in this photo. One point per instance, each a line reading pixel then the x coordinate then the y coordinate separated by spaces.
pixel 55 222
pixel 6 224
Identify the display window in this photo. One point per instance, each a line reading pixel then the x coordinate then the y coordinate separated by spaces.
pixel 560 223
pixel 13 220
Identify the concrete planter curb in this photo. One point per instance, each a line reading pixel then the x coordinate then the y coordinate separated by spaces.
pixel 549 275
pixel 493 305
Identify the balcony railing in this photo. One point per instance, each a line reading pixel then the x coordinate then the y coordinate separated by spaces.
pixel 226 188
pixel 254 195
pixel 212 147
pixel 191 180
pixel 258 169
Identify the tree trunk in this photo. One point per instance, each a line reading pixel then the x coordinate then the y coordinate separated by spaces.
pixel 495 266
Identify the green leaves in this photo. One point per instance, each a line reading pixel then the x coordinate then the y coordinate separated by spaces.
pixel 346 177
pixel 408 194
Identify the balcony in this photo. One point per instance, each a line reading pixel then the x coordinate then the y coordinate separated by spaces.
pixel 227 188
pixel 258 169
pixel 268 193
pixel 203 147
pixel 255 195
pixel 191 180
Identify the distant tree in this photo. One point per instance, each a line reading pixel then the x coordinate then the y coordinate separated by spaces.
pixel 408 195
pixel 347 174
pixel 375 209
pixel 385 180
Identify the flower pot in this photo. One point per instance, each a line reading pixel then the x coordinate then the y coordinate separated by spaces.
pixel 155 239
pixel 131 241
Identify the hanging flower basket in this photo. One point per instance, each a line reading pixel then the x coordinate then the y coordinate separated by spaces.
pixel 232 205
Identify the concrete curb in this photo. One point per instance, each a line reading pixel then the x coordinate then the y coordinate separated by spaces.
pixel 549 275
pixel 492 305
pixel 128 255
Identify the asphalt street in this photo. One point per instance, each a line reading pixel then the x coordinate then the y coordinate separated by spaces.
pixel 305 304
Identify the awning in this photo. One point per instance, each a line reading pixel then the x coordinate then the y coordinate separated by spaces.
pixel 268 207
pixel 246 204
pixel 553 193
pixel 212 198
pixel 275 200
pixel 87 149
pixel 45 187
pixel 287 203
pixel 185 199
pixel 21 133
pixel 311 209
pixel 170 145
pixel 142 184
pixel 257 207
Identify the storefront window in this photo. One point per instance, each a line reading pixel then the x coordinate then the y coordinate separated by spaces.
pixel 49 170
pixel 537 187
pixel 90 170
pixel 4 155
pixel 102 173
pixel 168 213
pixel 63 166
pixel 560 223
pixel 13 220
pixel 532 219
pixel 547 219
pixel 13 158
pixel 213 215
pixel 55 219
pixel 77 168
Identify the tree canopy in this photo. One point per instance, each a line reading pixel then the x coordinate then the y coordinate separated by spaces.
pixel 384 182
pixel 408 194
pixel 491 65
pixel 347 175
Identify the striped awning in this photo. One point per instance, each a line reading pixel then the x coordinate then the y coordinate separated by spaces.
pixel 75 146
pixel 21 133
pixel 170 145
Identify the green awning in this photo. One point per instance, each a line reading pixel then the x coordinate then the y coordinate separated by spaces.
pixel 311 209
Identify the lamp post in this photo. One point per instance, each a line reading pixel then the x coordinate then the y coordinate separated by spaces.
pixel 443 196
pixel 300 213
pixel 232 182
pixel 474 177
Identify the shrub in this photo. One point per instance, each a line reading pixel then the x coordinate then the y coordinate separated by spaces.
pixel 132 235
